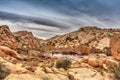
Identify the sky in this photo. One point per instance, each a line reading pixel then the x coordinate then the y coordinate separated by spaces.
pixel 47 18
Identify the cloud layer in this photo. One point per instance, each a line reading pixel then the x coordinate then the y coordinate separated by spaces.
pixel 47 18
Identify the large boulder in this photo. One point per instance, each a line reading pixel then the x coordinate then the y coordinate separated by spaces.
pixel 93 62
pixel 7 51
pixel 84 74
pixel 115 46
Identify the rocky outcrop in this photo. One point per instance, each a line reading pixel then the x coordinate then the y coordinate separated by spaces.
pixel 115 46
pixel 21 41
pixel 90 36
pixel 7 51
pixel 26 41
pixel 83 50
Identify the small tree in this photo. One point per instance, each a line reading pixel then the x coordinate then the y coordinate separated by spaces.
pixel 63 63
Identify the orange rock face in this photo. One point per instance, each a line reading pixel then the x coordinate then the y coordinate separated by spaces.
pixel 21 41
pixel 7 51
pixel 93 62
pixel 115 46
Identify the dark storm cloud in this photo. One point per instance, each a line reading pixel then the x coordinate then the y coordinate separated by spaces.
pixel 74 7
pixel 54 17
pixel 42 21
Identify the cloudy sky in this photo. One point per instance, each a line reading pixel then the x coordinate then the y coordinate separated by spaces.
pixel 47 18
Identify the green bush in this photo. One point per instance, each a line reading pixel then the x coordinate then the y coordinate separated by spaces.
pixel 63 63
pixel 3 71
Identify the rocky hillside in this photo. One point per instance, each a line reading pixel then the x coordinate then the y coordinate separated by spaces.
pixel 79 55
pixel 21 41
pixel 90 36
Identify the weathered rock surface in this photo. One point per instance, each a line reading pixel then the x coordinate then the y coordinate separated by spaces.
pixel 93 39
pixel 7 51
pixel 115 46
pixel 22 77
pixel 84 74
pixel 21 41
pixel 103 43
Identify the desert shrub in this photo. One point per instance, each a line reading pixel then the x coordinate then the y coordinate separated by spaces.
pixel 3 71
pixel 68 38
pixel 116 70
pixel 63 63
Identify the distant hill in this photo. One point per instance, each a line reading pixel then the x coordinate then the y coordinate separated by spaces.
pixel 89 35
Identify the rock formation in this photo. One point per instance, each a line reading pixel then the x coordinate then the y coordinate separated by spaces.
pixel 115 46
pixel 7 51
pixel 21 41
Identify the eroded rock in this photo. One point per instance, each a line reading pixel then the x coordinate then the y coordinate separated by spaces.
pixel 84 74
pixel 7 51
pixel 115 46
